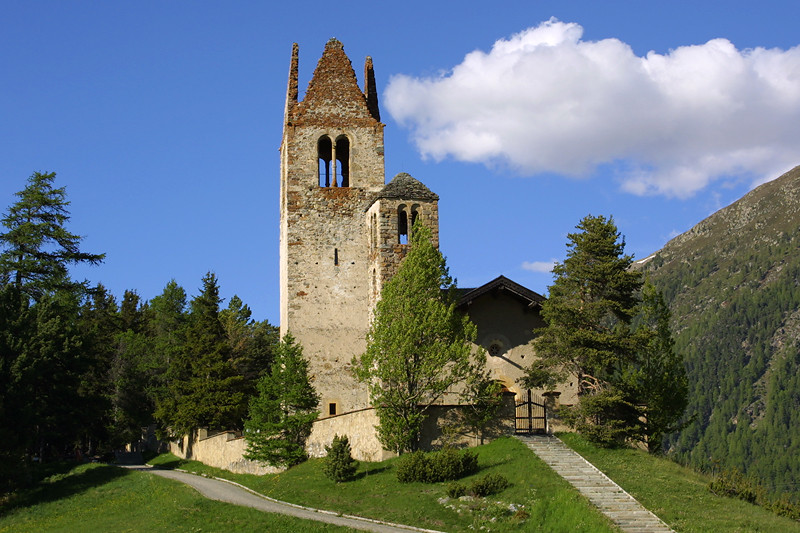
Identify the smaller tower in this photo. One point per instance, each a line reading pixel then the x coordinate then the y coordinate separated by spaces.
pixel 389 220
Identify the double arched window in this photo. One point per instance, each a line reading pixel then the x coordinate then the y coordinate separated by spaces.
pixel 403 219
pixel 333 161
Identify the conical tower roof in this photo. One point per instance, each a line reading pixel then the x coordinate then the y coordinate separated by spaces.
pixel 406 187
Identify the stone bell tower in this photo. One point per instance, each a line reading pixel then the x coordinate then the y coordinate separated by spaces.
pixel 332 167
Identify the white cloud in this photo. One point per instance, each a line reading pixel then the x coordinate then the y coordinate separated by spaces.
pixel 546 101
pixel 539 266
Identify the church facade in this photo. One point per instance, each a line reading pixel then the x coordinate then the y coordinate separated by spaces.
pixel 344 232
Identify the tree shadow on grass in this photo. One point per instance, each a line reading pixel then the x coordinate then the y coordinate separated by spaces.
pixel 169 465
pixel 371 472
pixel 60 480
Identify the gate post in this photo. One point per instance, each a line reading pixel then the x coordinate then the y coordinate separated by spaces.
pixel 530 412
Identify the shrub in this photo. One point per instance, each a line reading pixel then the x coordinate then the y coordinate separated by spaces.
pixel 412 467
pixel 734 484
pixel 444 465
pixel 339 465
pixel 489 484
pixel 456 490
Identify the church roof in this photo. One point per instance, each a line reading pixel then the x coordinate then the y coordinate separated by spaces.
pixel 405 187
pixel 501 283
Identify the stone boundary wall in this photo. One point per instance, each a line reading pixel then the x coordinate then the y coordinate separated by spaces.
pixel 226 449
pixel 445 423
pixel 359 426
pixel 222 450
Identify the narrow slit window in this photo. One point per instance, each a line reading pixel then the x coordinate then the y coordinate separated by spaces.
pixel 336 257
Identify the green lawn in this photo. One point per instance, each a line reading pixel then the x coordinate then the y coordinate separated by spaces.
pixel 678 495
pixel 106 498
pixel 549 503
pixel 94 497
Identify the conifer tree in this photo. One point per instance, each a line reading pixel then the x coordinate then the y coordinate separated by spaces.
pixel 589 309
pixel 588 313
pixel 339 464
pixel 252 343
pixel 43 368
pixel 167 364
pixel 281 414
pixel 37 248
pixel 210 395
pixel 658 380
pixel 418 345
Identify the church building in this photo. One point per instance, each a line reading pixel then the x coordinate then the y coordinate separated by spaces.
pixel 344 232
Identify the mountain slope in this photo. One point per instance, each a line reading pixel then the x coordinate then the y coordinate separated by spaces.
pixel 733 285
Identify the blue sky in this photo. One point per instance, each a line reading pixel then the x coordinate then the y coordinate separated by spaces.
pixel 163 120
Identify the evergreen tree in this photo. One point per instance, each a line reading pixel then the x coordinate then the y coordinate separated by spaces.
pixel 281 414
pixel 658 380
pixel 591 303
pixel 339 464
pixel 99 325
pixel 208 389
pixel 131 398
pixel 588 313
pixel 166 331
pixel 44 400
pixel 48 400
pixel 37 247
pixel 418 345
pixel 252 343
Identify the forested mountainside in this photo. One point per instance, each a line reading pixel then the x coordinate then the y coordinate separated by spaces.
pixel 733 285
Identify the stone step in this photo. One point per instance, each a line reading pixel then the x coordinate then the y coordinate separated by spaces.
pixel 610 498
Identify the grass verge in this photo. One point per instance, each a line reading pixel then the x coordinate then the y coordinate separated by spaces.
pixel 537 500
pixel 678 495
pixel 95 497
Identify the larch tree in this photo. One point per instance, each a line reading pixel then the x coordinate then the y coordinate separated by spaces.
pixel 37 247
pixel 283 410
pixel 418 346
pixel 44 361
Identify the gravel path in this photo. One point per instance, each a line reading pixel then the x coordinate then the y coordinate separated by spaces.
pixel 227 491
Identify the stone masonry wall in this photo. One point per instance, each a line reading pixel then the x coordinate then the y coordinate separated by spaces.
pixel 358 426
pixel 223 450
pixel 386 253
pixel 325 275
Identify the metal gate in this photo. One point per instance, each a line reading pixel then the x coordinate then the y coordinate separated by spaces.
pixel 531 415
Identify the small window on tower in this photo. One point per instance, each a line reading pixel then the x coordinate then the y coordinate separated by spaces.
pixel 331 409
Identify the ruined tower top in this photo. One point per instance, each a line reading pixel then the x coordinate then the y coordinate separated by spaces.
pixel 333 93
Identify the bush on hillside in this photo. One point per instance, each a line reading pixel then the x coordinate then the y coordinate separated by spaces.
pixel 488 484
pixel 433 467
pixel 339 464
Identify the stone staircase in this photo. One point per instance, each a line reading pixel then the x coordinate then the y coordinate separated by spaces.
pixel 609 497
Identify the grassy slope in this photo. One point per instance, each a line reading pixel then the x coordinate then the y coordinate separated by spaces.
pixel 549 500
pixel 678 495
pixel 93 497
